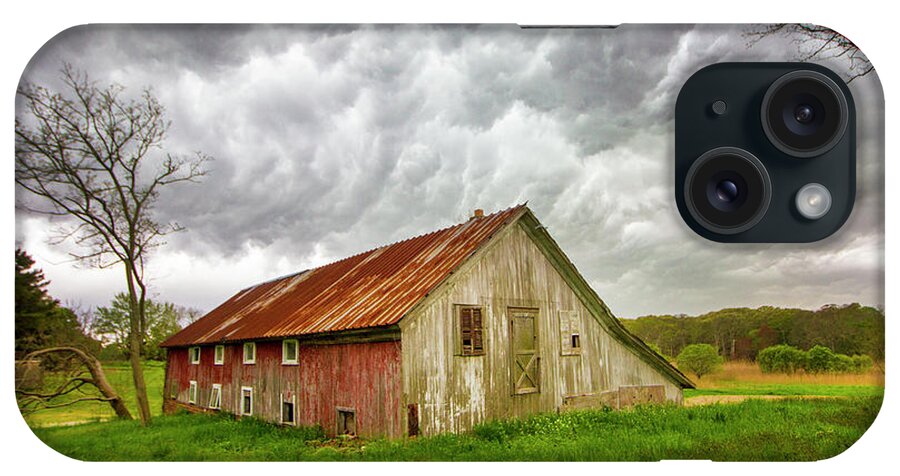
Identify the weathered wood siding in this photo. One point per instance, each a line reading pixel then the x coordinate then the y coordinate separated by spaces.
pixel 454 392
pixel 364 377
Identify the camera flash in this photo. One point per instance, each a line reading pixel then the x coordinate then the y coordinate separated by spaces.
pixel 813 201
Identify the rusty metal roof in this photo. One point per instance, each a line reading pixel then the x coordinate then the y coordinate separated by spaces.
pixel 372 289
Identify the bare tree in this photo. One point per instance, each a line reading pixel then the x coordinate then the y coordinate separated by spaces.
pixel 85 316
pixel 95 157
pixel 89 373
pixel 188 315
pixel 815 42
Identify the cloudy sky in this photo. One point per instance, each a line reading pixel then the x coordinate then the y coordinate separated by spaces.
pixel 332 140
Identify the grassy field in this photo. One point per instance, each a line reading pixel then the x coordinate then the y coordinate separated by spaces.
pixel 786 429
pixel 119 376
pixel 792 428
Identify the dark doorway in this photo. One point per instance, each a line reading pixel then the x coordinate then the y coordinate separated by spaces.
pixel 346 421
pixel 412 419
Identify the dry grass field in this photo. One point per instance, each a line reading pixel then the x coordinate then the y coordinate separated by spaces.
pixel 741 373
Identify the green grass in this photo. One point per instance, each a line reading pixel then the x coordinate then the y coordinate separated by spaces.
pixel 776 430
pixel 747 388
pixel 788 429
pixel 119 376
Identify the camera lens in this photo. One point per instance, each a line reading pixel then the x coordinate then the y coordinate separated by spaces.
pixel 727 190
pixel 804 113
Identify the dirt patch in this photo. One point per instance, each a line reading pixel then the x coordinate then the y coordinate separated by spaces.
pixel 71 423
pixel 710 399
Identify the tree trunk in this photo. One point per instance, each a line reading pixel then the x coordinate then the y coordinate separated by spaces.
pixel 97 375
pixel 135 344
pixel 140 387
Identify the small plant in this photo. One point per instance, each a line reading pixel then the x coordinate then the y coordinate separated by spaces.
pixel 700 359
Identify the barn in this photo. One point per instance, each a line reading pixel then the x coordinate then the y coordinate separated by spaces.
pixel 487 319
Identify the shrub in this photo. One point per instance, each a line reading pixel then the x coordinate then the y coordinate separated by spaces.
pixel 701 359
pixel 781 359
pixel 841 364
pixel 820 359
pixel 861 363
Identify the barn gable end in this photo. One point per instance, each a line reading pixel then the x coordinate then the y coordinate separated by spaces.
pixel 521 270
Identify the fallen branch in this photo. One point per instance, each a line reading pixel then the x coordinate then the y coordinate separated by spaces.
pixel 30 402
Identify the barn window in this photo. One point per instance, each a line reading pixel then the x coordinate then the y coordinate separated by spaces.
pixel 192 392
pixel 215 397
pixel 289 352
pixel 247 401
pixel 471 330
pixel 346 421
pixel 570 332
pixel 287 409
pixel 249 352
pixel 194 353
pixel 220 355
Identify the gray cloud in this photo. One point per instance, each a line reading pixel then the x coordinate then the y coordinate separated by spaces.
pixel 332 140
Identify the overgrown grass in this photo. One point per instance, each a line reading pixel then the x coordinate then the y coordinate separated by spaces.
pixel 181 437
pixel 119 376
pixel 774 430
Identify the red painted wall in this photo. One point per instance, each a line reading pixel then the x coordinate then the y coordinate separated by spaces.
pixel 362 376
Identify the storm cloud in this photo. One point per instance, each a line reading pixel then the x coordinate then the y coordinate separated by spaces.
pixel 330 140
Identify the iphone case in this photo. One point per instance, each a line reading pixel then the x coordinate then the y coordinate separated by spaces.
pixel 479 250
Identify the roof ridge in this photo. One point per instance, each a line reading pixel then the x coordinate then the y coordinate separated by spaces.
pixel 275 279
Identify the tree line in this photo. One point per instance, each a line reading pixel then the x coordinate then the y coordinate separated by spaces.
pixel 741 333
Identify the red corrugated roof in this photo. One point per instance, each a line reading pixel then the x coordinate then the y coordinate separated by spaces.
pixel 371 289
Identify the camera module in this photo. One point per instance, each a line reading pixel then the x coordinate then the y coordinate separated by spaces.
pixel 804 113
pixel 727 190
pixel 765 152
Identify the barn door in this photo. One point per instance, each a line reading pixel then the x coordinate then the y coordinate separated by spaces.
pixel 526 360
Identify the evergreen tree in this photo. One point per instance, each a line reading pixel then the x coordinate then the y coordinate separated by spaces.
pixel 40 321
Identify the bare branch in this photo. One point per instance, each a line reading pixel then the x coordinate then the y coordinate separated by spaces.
pixel 815 43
